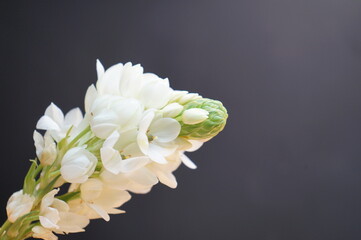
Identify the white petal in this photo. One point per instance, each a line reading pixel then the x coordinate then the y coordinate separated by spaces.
pixel 47 123
pixel 39 143
pixel 43 233
pixel 144 177
pixel 109 83
pixel 104 124
pixel 55 113
pixel 186 160
pixel 146 121
pixel 74 174
pixel 60 205
pixel 111 160
pixel 194 115
pixel 112 198
pixel 72 223
pixel 73 117
pixel 155 156
pixel 48 199
pixel 111 140
pixel 167 178
pixel 47 223
pixel 143 142
pixel 104 130
pixel 155 93
pixel 165 129
pixel 100 69
pixel 172 110
pixel 131 80
pixel 91 189
pixel 195 145
pixel 100 211
pixel 163 149
pixel 128 110
pixel 133 164
pixel 90 96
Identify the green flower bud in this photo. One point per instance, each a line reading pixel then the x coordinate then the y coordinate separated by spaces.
pixel 208 128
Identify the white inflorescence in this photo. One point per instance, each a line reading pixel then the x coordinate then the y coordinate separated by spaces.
pixel 128 140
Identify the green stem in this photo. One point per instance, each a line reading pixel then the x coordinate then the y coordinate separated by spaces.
pixel 80 135
pixel 4 227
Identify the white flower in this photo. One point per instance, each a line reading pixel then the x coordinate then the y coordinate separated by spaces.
pixel 58 125
pixel 138 181
pixel 45 148
pixel 43 233
pixel 121 95
pixel 110 113
pixel 18 205
pixel 156 135
pixel 194 115
pixel 99 200
pixel 77 165
pixel 130 82
pixel 55 215
pixel 112 160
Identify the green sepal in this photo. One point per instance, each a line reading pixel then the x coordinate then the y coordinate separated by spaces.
pixel 30 181
pixel 41 193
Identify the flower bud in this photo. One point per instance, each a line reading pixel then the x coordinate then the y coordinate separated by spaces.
pixel 172 110
pixel 183 97
pixel 45 148
pixel 77 165
pixel 18 205
pixel 194 116
pixel 208 128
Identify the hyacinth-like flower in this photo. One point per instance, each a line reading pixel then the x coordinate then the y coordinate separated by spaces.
pixel 134 134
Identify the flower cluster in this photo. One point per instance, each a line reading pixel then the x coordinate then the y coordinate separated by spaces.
pixel 134 134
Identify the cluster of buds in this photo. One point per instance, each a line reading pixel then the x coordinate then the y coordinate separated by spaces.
pixel 134 134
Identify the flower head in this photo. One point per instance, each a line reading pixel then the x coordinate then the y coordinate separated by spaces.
pixel 156 135
pixel 77 165
pixel 18 205
pixel 58 125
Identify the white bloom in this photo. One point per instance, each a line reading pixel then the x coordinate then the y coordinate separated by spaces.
pixel 99 200
pixel 18 205
pixel 55 215
pixel 156 135
pixel 194 115
pixel 112 160
pixel 110 113
pixel 138 181
pixel 130 82
pixel 43 233
pixel 122 93
pixel 77 165
pixel 45 148
pixel 58 125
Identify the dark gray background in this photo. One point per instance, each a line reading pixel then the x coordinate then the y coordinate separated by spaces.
pixel 287 166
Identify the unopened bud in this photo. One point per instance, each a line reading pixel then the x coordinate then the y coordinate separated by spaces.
pixel 194 116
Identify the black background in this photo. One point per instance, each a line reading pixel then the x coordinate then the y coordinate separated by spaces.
pixel 287 166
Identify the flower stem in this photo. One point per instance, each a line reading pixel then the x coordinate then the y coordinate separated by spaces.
pixel 4 227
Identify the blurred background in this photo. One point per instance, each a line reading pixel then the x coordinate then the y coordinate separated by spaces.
pixel 288 164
